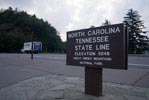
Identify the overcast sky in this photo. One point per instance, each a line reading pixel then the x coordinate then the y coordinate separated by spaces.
pixel 67 15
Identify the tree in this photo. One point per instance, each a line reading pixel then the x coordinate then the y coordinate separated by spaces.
pixel 16 28
pixel 106 22
pixel 136 32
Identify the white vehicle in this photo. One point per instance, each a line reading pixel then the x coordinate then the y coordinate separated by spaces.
pixel 27 48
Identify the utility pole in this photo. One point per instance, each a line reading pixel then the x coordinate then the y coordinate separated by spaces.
pixel 32 52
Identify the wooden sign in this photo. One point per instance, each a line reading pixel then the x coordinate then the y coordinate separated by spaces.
pixel 102 47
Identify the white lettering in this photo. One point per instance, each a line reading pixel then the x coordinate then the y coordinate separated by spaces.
pixel 117 29
pixel 86 62
pixel 98 39
pixel 77 58
pixel 87 58
pixel 110 30
pixel 102 58
pixel 83 47
pixel 98 63
pixel 103 53
pixel 84 53
pixel 103 47
pixel 76 34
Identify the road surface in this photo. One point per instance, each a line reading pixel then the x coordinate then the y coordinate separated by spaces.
pixel 18 67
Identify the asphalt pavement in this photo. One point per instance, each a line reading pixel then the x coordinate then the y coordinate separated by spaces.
pixel 19 67
pixel 58 87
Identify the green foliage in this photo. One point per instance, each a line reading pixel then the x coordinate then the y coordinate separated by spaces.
pixel 11 41
pixel 106 22
pixel 16 27
pixel 136 27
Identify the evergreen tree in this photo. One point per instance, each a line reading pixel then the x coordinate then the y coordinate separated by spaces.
pixel 136 32
pixel 106 22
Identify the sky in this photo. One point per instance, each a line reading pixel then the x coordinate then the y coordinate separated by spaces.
pixel 68 15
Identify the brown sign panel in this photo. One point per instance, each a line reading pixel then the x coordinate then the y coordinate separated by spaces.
pixel 102 47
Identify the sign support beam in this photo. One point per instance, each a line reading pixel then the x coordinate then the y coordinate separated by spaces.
pixel 32 52
pixel 93 81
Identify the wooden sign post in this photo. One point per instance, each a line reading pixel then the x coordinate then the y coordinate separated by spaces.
pixel 97 48
pixel 93 81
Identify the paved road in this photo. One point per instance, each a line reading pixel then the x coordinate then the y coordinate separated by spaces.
pixel 18 67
